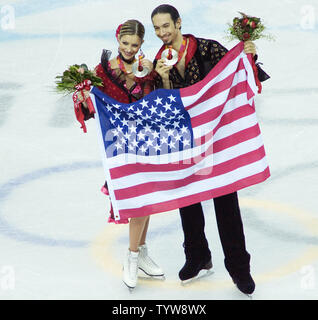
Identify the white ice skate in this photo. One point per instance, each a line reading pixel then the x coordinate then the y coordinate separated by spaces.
pixel 147 265
pixel 130 269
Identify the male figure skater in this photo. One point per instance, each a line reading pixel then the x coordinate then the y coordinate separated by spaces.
pixel 197 57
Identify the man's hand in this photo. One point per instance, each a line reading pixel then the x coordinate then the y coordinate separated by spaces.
pixel 163 70
pixel 249 47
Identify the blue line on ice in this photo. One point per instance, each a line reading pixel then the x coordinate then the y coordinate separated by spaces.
pixel 11 231
pixel 7 188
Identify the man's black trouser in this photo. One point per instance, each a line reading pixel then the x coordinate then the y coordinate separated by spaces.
pixel 230 228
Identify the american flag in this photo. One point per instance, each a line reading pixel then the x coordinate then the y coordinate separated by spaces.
pixel 174 148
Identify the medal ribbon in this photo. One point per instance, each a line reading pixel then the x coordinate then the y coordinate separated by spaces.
pixel 122 66
pixel 181 51
pixel 140 57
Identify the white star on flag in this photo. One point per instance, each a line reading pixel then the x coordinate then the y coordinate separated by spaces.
pixel 167 106
pixel 153 109
pixel 144 103
pixel 158 100
pixel 172 98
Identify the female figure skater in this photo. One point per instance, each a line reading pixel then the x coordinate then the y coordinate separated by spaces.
pixel 121 84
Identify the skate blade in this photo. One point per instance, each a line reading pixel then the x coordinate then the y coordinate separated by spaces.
pixel 250 296
pixel 131 289
pixel 145 275
pixel 202 274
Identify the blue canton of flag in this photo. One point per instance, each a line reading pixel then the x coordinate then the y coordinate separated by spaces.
pixel 155 125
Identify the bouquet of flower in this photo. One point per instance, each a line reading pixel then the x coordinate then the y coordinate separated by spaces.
pixel 247 28
pixel 76 79
pixel 74 76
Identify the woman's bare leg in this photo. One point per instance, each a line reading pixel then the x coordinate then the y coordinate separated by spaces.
pixel 144 233
pixel 136 232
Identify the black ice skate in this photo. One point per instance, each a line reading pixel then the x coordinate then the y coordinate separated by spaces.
pixel 245 283
pixel 197 265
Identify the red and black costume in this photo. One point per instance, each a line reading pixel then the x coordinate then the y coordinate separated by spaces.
pixel 114 83
pixel 201 56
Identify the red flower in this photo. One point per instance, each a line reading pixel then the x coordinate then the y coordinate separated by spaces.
pixel 253 25
pixel 244 22
pixel 246 36
pixel 118 31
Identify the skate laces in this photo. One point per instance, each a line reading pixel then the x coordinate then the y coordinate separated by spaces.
pixel 144 257
pixel 133 264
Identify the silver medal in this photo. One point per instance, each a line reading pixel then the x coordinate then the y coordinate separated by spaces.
pixel 174 58
pixel 137 72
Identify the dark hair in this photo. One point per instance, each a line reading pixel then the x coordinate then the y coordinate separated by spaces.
pixel 167 8
pixel 132 27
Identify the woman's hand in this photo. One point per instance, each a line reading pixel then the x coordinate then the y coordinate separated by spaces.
pixel 147 64
pixel 82 98
pixel 249 47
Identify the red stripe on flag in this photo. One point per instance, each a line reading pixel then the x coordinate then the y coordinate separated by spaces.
pixel 196 198
pixel 219 87
pixel 227 118
pixel 213 113
pixel 228 58
pixel 237 138
pixel 200 175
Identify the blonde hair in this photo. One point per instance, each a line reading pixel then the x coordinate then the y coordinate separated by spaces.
pixel 132 27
